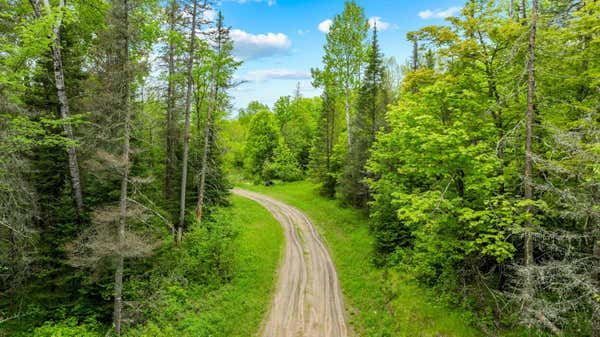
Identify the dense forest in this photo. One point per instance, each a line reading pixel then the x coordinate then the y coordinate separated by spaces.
pixel 475 163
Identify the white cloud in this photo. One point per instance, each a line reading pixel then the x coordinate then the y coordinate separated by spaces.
pixel 381 25
pixel 324 25
pixel 439 13
pixel 249 46
pixel 274 74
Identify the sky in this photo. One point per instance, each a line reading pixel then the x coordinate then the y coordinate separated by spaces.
pixel 281 40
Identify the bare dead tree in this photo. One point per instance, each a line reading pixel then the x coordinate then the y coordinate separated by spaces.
pixel 529 120
pixel 18 236
pixel 121 12
pixel 186 132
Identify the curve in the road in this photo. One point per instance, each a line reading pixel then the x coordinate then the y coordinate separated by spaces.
pixel 308 301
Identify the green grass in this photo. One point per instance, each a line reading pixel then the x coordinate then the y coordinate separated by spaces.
pixel 374 309
pixel 237 308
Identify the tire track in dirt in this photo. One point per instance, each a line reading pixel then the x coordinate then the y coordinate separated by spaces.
pixel 308 300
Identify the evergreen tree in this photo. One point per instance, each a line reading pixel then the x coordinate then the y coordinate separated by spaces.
pixel 213 187
pixel 367 122
pixel 321 156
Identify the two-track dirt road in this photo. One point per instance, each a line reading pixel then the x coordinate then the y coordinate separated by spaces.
pixel 308 299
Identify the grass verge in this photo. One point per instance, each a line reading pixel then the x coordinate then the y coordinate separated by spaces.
pixel 237 308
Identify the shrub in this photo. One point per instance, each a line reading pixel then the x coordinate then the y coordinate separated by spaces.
pixel 66 328
pixel 209 251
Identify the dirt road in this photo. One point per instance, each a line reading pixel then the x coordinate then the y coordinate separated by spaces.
pixel 308 299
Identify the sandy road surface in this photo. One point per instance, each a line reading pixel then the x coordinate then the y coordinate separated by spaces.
pixel 308 300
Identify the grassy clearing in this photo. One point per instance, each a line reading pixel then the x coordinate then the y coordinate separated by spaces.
pixel 373 309
pixel 237 308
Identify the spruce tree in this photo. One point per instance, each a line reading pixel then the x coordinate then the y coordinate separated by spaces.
pixel 213 188
pixel 321 155
pixel 369 119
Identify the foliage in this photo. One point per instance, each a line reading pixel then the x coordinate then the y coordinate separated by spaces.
pixel 344 50
pixel 297 121
pixel 322 162
pixel 245 115
pixel 206 306
pixel 385 303
pixel 432 150
pixel 263 139
pixel 209 251
pixel 367 122
pixel 66 328
pixel 447 177
pixel 343 59
pixel 283 165
pixel 48 275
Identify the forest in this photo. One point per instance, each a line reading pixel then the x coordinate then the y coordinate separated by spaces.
pixel 462 183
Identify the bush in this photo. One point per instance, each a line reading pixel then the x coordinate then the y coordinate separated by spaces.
pixel 209 251
pixel 66 328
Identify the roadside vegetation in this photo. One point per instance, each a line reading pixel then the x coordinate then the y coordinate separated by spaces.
pixel 474 162
pixel 458 189
pixel 379 302
pixel 220 284
pixel 237 307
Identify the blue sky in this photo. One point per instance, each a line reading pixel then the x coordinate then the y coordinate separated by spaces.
pixel 281 40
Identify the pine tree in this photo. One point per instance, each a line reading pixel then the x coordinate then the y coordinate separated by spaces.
pixel 321 154
pixel 213 186
pixel 369 119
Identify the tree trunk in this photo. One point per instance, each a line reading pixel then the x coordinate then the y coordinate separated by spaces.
pixel 348 126
pixel 212 106
pixel 596 306
pixel 511 8
pixel 524 10
pixel 530 117
pixel 122 217
pixel 330 129
pixel 117 315
pixel 186 132
pixel 63 102
pixel 170 166
pixel 207 130
pixel 122 59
